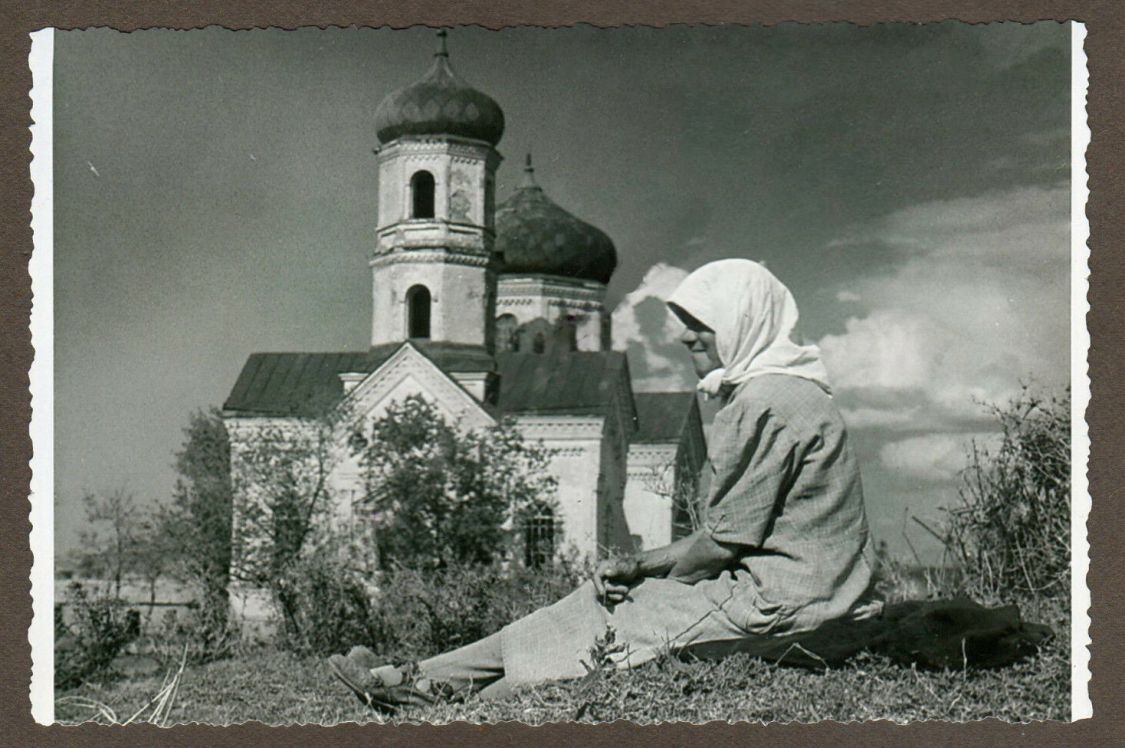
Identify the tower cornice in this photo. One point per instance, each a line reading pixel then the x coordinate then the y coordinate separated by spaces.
pixel 430 254
pixel 408 147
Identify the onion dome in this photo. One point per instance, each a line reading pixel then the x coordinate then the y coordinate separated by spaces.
pixel 535 236
pixel 442 103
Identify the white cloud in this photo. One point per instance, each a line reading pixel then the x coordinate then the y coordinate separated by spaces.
pixel 931 457
pixel 888 348
pixel 643 327
pixel 847 296
pixel 867 417
pixel 977 301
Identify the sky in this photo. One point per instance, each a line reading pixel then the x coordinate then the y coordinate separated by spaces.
pixel 215 195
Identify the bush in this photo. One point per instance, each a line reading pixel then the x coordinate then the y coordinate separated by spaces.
pixel 324 605
pixel 198 637
pixel 423 614
pixel 1011 532
pixel 440 495
pixel 101 628
pixel 413 614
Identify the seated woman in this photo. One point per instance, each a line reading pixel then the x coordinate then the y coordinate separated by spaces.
pixel 784 546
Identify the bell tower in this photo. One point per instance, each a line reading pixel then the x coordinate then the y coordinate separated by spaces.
pixel 433 270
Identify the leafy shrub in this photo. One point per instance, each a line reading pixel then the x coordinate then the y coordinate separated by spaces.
pixel 200 636
pixel 440 495
pixel 423 614
pixel 1011 532
pixel 898 579
pixel 412 613
pixel 324 605
pixel 101 628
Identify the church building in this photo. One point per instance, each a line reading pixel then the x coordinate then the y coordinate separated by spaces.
pixel 490 311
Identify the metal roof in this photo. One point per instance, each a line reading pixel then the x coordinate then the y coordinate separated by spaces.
pixel 662 416
pixel 534 235
pixel 570 383
pixel 284 384
pixel 442 103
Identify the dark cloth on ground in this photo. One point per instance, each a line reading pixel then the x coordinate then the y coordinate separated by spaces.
pixel 476 667
pixel 931 634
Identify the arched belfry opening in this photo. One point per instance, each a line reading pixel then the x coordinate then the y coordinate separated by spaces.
pixel 422 195
pixel 418 304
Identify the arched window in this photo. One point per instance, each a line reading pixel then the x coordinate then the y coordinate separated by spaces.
pixel 539 343
pixel 570 332
pixel 489 200
pixel 506 338
pixel 422 195
pixel 539 537
pixel 418 312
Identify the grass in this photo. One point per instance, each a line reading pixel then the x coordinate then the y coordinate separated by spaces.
pixel 279 688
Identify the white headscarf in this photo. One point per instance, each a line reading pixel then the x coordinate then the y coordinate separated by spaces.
pixel 754 318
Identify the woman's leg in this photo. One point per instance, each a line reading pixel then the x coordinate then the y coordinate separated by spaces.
pixel 496 691
pixel 553 643
pixel 473 668
pixel 469 668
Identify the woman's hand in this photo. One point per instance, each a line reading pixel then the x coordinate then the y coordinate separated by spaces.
pixel 613 578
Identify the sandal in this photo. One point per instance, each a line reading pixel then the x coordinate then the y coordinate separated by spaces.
pixel 367 688
pixel 386 688
pixel 364 657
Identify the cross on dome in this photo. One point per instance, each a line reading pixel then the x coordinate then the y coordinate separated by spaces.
pixel 535 235
pixel 528 174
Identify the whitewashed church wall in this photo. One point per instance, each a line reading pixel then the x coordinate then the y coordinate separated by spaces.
pixel 590 326
pixel 398 171
pixel 649 492
pixel 574 448
pixel 473 382
pixel 531 298
pixel 462 304
pixel 575 467
pixel 460 172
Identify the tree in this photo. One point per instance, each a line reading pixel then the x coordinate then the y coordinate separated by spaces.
pixel 115 539
pixel 280 476
pixel 440 496
pixel 195 529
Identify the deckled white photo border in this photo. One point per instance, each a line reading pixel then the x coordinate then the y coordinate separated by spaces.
pixel 1080 705
pixel 41 632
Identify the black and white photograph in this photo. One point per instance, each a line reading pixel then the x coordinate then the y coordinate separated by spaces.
pixel 685 374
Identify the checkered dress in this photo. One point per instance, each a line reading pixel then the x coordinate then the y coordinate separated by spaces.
pixel 785 487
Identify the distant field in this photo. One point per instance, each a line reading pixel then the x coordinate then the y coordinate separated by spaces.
pixel 169 596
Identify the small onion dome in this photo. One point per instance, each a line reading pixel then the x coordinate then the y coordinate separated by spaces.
pixel 536 236
pixel 439 104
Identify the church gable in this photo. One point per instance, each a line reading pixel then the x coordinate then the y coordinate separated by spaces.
pixel 409 372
